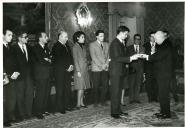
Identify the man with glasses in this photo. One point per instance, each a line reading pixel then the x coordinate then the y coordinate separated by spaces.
pixel 135 70
pixel 24 85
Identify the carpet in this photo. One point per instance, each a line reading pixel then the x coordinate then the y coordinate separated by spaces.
pixel 140 115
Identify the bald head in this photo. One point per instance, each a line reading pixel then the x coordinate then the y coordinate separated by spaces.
pixel 159 37
pixel 63 37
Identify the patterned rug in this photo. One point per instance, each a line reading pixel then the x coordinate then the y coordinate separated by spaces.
pixel 140 115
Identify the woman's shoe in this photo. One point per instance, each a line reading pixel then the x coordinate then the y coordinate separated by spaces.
pixel 77 108
pixel 123 105
pixel 83 106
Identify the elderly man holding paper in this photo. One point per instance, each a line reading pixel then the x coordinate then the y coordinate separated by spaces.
pixel 163 71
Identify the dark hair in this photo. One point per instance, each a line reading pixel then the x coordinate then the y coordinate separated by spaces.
pixel 39 35
pixel 5 31
pixel 137 35
pixel 98 32
pixel 77 35
pixel 122 29
pixel 20 33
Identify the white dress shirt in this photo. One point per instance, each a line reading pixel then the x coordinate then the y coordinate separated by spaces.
pixel 136 48
pixel 23 48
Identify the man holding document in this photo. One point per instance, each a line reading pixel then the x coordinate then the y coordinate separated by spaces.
pixel 117 69
pixel 10 74
pixel 162 60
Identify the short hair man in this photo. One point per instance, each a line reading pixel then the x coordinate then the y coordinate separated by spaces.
pixel 63 65
pixel 100 62
pixel 162 60
pixel 118 60
pixel 136 70
pixel 42 64
pixel 10 74
pixel 24 83
pixel 151 83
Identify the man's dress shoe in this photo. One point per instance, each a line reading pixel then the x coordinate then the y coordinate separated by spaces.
pixel 7 124
pixel 163 116
pixel 83 106
pixel 116 116
pixel 123 114
pixel 40 116
pixel 63 112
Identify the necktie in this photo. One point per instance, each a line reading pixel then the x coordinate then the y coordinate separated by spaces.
pixel 152 44
pixel 102 46
pixel 24 52
pixel 7 46
pixel 137 49
pixel 45 49
pixel 153 47
pixel 65 47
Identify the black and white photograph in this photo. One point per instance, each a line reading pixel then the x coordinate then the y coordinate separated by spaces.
pixel 92 64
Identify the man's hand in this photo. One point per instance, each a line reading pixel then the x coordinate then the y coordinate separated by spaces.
pixel 134 57
pixel 70 68
pixel 79 74
pixel 105 67
pixel 5 80
pixel 143 56
pixel 47 59
pixel 15 75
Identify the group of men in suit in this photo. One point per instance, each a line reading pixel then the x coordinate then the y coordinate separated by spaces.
pixel 18 91
pixel 27 76
pixel 158 69
pixel 24 67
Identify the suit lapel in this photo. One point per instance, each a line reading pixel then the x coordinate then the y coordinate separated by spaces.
pixel 99 47
pixel 21 52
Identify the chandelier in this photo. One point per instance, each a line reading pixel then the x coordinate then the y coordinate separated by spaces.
pixel 83 14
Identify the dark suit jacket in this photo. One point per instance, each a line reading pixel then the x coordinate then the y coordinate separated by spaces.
pixel 136 65
pixel 42 67
pixel 9 61
pixel 62 57
pixel 119 58
pixel 162 60
pixel 22 64
pixel 148 65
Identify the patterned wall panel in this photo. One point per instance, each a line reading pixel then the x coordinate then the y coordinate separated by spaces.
pixel 63 18
pixel 169 16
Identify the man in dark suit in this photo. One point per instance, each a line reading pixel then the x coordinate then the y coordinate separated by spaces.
pixel 173 83
pixel 42 67
pixel 136 75
pixel 63 65
pixel 151 83
pixel 24 83
pixel 117 67
pixel 163 72
pixel 10 74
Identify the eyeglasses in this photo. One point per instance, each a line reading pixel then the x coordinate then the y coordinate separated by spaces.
pixel 26 37
pixel 137 39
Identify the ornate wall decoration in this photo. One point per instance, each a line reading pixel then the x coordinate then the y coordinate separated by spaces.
pixel 169 16
pixel 63 17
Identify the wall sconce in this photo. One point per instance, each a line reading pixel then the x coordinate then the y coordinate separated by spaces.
pixel 83 15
